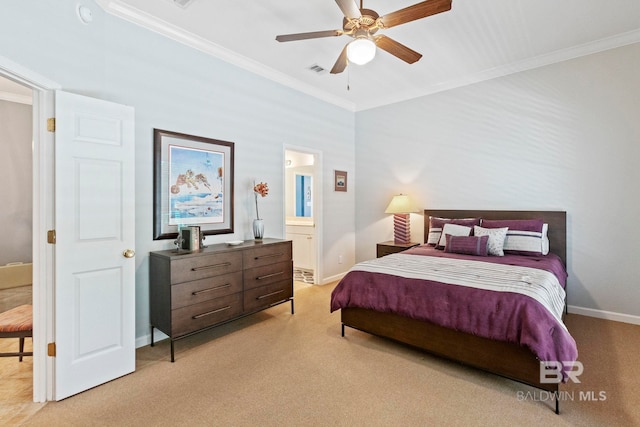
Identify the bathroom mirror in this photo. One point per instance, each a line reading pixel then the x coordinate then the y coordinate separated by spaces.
pixel 304 196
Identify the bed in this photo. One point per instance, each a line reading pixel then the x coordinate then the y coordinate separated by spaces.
pixel 445 316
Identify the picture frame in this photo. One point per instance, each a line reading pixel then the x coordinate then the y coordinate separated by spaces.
pixel 340 180
pixel 192 184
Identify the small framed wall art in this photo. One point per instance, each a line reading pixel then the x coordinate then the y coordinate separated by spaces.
pixel 340 181
pixel 193 184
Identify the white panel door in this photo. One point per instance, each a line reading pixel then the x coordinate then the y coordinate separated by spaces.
pixel 94 222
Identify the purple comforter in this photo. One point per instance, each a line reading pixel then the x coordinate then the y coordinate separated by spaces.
pixel 503 316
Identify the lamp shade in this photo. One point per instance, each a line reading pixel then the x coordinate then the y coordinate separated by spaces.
pixel 400 204
pixel 361 50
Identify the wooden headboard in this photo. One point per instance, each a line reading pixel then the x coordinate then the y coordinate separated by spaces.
pixel 557 221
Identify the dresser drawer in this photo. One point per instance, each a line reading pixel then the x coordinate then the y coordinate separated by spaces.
pixel 192 292
pixel 189 293
pixel 264 296
pixel 260 276
pixel 200 267
pixel 207 313
pixel 268 254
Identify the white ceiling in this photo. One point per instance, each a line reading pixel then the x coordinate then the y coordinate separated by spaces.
pixel 474 41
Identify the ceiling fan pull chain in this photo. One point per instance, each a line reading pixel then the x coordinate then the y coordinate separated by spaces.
pixel 348 78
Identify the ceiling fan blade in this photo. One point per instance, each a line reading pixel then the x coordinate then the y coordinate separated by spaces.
pixel 311 35
pixel 349 9
pixel 397 49
pixel 341 63
pixel 417 11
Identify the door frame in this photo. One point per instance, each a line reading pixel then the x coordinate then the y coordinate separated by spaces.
pixel 317 202
pixel 43 220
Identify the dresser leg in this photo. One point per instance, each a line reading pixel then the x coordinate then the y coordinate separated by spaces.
pixel 292 311
pixel 172 358
pixel 151 336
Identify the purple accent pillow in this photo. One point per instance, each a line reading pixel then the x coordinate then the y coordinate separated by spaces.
pixel 467 245
pixel 436 224
pixel 454 230
pixel 524 237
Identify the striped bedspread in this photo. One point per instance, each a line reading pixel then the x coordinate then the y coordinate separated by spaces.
pixel 538 284
pixel 484 296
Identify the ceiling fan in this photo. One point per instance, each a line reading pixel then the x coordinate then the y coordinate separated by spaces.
pixel 362 24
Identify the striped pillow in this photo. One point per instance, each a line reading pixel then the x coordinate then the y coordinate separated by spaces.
pixel 524 237
pixel 467 245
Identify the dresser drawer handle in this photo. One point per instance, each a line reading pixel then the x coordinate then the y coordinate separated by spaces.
pixel 268 256
pixel 266 276
pixel 208 313
pixel 228 285
pixel 271 294
pixel 207 267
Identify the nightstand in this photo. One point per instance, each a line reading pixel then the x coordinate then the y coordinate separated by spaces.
pixel 390 247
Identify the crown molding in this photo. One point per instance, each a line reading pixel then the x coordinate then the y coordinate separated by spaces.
pixel 145 20
pixel 561 55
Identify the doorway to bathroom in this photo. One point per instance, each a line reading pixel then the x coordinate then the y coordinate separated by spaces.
pixel 302 176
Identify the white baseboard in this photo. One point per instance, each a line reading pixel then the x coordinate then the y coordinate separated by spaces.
pixel 333 278
pixel 607 315
pixel 146 339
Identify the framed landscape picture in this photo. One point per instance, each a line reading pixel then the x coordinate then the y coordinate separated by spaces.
pixel 193 184
pixel 340 181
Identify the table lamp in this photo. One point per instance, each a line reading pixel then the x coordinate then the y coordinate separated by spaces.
pixel 401 206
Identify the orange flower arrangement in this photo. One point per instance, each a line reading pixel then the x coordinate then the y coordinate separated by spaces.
pixel 261 189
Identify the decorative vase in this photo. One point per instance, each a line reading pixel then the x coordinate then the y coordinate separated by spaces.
pixel 258 229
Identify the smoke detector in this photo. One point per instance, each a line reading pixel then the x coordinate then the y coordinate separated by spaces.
pixel 85 15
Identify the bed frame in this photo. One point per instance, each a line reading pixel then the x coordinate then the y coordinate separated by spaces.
pixel 505 359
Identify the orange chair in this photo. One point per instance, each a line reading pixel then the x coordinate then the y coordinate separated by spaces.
pixel 17 323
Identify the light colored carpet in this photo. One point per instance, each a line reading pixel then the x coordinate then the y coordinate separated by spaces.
pixel 278 369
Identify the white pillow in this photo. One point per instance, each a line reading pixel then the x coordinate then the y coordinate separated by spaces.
pixel 454 230
pixel 545 239
pixel 495 245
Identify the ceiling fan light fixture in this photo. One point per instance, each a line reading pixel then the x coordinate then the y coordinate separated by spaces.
pixel 361 50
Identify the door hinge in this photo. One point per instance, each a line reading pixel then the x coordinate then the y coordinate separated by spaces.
pixel 51 124
pixel 51 349
pixel 51 237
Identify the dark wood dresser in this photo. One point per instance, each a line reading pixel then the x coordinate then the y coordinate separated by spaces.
pixel 194 291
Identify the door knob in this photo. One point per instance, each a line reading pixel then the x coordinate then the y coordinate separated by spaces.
pixel 129 253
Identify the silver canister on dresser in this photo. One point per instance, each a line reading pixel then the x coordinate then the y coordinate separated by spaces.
pixel 190 238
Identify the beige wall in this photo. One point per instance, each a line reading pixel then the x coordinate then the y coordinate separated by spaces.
pixel 16 172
